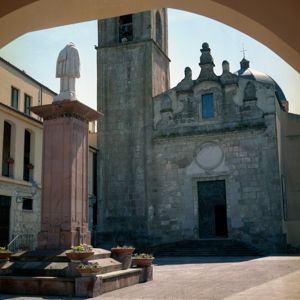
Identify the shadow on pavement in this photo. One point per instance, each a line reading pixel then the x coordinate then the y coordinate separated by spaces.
pixel 160 261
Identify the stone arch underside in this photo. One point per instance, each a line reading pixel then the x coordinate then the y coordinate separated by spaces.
pixel 275 26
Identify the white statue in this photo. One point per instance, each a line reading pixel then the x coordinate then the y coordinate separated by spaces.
pixel 67 69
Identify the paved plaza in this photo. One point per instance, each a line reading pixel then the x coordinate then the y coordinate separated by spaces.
pixel 273 277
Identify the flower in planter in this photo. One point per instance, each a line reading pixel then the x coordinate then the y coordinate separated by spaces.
pixel 89 265
pixel 5 253
pixel 122 250
pixel 88 268
pixel 143 260
pixel 143 256
pixel 82 248
pixel 10 160
pixel 80 252
pixel 3 250
pixel 124 247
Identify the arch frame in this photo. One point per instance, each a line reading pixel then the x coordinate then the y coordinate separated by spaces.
pixel 251 17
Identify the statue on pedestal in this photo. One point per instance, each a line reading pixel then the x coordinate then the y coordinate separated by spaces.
pixel 67 69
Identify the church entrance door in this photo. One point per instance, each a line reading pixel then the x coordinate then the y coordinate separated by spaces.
pixel 4 220
pixel 212 209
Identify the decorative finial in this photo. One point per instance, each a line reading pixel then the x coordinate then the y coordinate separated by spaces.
pixel 206 64
pixel 187 82
pixel 225 66
pixel 206 57
pixel 227 77
pixel 244 50
pixel 188 73
pixel 205 47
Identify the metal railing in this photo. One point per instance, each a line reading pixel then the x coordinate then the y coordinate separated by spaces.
pixel 21 242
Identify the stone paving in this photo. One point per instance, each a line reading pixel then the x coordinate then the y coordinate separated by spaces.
pixel 267 278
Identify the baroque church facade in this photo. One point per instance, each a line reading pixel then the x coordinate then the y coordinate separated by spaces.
pixel 205 159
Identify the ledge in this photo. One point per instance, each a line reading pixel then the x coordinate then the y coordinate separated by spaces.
pixel 225 130
pixel 15 181
pixel 67 108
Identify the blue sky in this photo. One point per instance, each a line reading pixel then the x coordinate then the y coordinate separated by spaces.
pixel 36 54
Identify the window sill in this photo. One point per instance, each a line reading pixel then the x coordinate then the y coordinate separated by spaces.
pixel 14 181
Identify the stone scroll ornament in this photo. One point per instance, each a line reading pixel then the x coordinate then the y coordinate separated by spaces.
pixel 67 69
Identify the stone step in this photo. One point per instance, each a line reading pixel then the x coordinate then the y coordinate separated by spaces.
pixel 34 268
pixel 87 286
pixel 119 279
pixel 108 265
pixel 57 269
pixel 44 286
pixel 54 255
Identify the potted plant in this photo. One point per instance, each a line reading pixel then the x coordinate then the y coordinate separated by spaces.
pixel 88 268
pixel 143 260
pixel 4 253
pixel 80 252
pixel 122 250
pixel 123 254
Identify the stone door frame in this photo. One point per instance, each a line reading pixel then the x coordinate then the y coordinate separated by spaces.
pixel 203 178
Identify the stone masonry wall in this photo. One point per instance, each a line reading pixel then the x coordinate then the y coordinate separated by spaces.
pixel 125 133
pixel 244 159
pixel 237 144
pixel 23 221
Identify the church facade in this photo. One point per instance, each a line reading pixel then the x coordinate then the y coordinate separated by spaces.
pixel 202 160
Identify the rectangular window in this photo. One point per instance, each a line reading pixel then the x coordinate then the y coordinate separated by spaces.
pixel 208 110
pixel 125 29
pixel 27 204
pixel 27 104
pixel 14 97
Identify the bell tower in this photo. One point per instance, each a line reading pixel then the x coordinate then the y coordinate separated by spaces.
pixel 132 66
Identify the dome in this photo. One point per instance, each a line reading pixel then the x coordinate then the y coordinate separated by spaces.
pixel 248 73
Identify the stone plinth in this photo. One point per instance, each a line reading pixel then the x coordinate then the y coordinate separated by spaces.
pixel 64 220
pixel 50 272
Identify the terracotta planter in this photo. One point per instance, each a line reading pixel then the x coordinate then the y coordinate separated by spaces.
pixel 119 251
pixel 88 271
pixel 5 255
pixel 79 256
pixel 143 262
pixel 123 255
